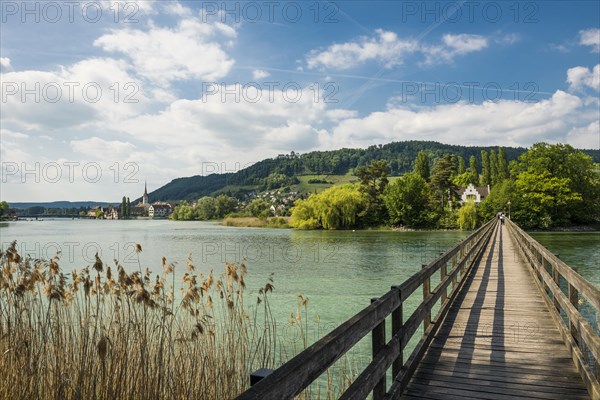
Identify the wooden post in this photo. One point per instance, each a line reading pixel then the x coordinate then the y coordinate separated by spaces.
pixel 453 275
pixel 543 282
pixel 378 342
pixel 397 324
pixel 426 294
pixel 462 256
pixel 443 274
pixel 556 278
pixel 574 300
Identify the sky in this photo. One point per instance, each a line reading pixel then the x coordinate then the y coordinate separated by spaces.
pixel 98 97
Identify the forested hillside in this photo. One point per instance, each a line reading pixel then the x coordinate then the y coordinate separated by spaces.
pixel 280 171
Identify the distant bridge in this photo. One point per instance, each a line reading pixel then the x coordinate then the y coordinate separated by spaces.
pixel 508 327
pixel 42 216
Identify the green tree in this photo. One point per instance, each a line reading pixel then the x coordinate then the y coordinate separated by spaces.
pixel 558 183
pixel 473 168
pixel 497 200
pixel 224 205
pixel 486 176
pixel 339 207
pixel 467 216
pixel 407 201
pixel 304 214
pixel 502 165
pixel 422 165
pixel 464 179
pixel 495 178
pixel 123 209
pixel 257 207
pixel 128 208
pixel 461 165
pixel 4 208
pixel 442 184
pixel 546 199
pixel 99 213
pixel 373 181
pixel 206 208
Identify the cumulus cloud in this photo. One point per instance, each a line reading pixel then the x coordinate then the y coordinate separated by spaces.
pixel 590 37
pixel 580 78
pixel 259 74
pixel 226 125
pixel 390 50
pixel 587 137
pixel 454 45
pixel 101 149
pixel 77 95
pixel 386 47
pixel 189 51
pixel 503 122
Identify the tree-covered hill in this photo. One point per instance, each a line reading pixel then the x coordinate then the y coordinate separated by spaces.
pixel 399 156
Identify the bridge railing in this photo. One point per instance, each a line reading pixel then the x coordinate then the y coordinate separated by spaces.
pixel 453 266
pixel 564 290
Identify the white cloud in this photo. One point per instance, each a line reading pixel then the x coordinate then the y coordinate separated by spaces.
pixel 5 62
pixel 86 92
pixel 587 137
pixel 508 39
pixel 590 37
pixel 580 78
pixel 385 48
pixel 176 8
pixel 454 45
pixel 101 149
pixel 259 74
pixel 6 133
pixel 504 122
pixel 390 50
pixel 189 51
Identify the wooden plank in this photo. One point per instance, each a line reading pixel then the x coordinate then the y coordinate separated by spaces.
pixel 476 354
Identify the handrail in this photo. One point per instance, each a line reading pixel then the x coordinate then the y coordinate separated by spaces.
pixel 294 376
pixel 579 335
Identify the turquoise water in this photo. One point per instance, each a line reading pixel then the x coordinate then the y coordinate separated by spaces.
pixel 339 271
pixel 580 250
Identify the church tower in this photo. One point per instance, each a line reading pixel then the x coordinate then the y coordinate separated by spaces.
pixel 145 196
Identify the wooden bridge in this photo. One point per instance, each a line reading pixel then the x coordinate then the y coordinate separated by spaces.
pixel 509 325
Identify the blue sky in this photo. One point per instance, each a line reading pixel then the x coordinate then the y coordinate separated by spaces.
pixel 99 96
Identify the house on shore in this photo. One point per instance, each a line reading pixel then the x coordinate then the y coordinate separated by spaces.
pixel 160 210
pixel 473 193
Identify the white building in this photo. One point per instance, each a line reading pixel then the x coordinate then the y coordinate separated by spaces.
pixel 474 193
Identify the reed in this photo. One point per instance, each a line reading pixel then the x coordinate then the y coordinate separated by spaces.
pixel 103 333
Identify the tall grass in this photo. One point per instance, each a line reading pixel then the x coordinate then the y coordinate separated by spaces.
pixel 99 334
pixel 105 334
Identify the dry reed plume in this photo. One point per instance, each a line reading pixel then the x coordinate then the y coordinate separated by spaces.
pixel 104 333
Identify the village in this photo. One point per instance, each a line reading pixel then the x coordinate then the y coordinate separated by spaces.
pixel 279 204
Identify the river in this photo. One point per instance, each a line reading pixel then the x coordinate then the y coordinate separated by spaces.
pixel 338 271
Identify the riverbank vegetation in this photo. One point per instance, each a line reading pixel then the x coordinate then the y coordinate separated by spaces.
pixel 255 222
pixel 548 186
pixel 104 333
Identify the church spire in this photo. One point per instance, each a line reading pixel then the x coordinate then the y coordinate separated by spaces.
pixel 145 196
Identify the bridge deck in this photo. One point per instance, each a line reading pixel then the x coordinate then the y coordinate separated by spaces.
pixel 498 340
